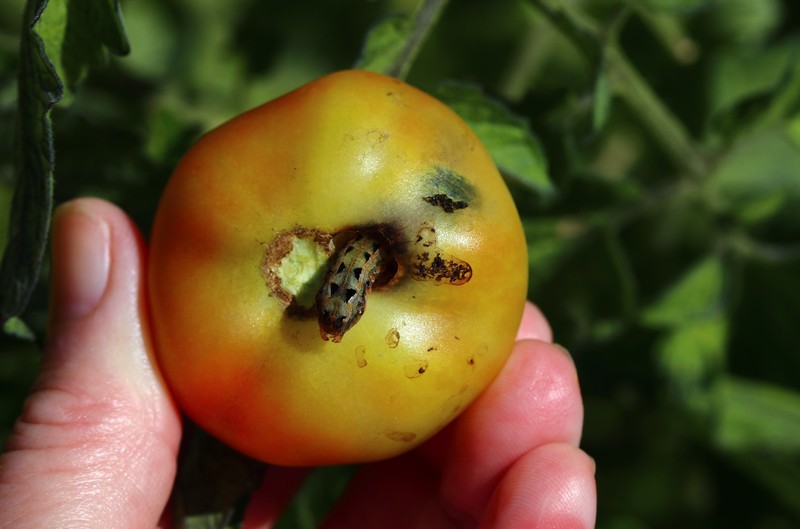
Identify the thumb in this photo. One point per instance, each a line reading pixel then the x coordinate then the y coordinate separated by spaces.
pixel 96 443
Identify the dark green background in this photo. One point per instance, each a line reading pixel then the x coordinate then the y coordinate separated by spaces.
pixel 673 280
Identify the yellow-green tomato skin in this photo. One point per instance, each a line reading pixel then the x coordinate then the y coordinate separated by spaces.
pixel 352 149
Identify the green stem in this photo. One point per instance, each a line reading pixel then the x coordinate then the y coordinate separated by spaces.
pixel 425 19
pixel 654 114
pixel 665 127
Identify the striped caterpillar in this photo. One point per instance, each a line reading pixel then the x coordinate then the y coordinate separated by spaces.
pixel 343 295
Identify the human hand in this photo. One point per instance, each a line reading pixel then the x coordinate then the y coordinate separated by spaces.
pixel 97 442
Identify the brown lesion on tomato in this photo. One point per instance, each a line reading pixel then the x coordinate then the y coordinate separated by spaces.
pixel 429 263
pixel 446 189
pixel 440 268
pixel 445 202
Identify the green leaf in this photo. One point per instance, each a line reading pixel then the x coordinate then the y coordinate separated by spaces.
pixel 318 495
pixel 393 44
pixel 738 75
pixel 514 148
pixel 698 294
pixel 760 176
pixel 213 484
pixel 18 328
pixel 752 415
pixel 76 34
pixel 693 353
pixel 385 44
pixel 39 89
pixel 601 104
pixel 57 37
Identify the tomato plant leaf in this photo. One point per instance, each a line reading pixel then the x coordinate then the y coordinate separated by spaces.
pixel 76 35
pixel 393 44
pixel 57 37
pixel 19 329
pixel 739 76
pixel 755 415
pixel 601 105
pixel 692 354
pixel 698 294
pixel 759 177
pixel 39 89
pixel 509 139
pixel 213 484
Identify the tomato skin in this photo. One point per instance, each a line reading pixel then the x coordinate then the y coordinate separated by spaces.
pixel 352 149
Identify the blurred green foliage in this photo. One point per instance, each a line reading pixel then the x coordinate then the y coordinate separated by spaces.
pixel 667 258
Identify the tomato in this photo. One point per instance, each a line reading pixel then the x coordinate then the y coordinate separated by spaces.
pixel 336 274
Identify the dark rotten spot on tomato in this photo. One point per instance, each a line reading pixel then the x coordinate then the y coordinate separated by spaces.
pixel 445 202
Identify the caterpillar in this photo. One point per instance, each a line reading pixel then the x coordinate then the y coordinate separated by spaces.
pixel 342 298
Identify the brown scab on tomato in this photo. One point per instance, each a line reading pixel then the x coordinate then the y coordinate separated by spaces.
pixel 441 268
pixel 445 202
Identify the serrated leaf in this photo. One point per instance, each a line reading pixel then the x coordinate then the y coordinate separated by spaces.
pixel 697 294
pixel 507 137
pixel 752 415
pixel 72 32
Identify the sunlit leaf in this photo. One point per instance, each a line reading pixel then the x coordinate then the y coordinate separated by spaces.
pixel 697 294
pixel 514 148
pixel 18 328
pixel 690 355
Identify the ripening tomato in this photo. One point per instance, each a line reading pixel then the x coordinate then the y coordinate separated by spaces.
pixel 336 274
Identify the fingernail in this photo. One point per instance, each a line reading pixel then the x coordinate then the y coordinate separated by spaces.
pixel 80 261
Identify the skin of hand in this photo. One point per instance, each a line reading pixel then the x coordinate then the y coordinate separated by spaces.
pixel 97 441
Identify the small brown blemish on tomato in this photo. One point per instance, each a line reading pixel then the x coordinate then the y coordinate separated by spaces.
pixel 361 351
pixel 471 360
pixel 392 338
pixel 401 437
pixel 417 369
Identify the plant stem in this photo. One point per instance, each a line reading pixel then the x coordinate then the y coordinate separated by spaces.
pixel 665 127
pixel 655 115
pixel 425 19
